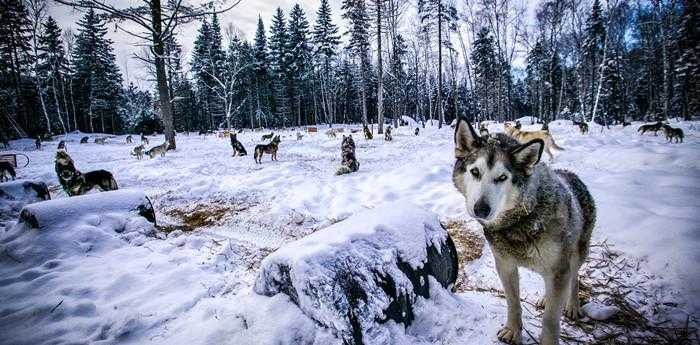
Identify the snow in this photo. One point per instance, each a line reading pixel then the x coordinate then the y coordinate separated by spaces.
pixel 115 278
pixel 600 312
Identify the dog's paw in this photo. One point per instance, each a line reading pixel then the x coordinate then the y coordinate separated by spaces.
pixel 572 311
pixel 509 336
pixel 540 303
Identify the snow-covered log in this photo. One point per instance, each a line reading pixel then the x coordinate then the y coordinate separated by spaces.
pixel 16 194
pixel 45 213
pixel 357 274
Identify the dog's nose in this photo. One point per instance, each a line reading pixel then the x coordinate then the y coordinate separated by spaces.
pixel 482 209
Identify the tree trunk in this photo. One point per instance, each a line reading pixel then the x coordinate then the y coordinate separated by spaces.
pixel 380 71
pixel 161 78
pixel 441 116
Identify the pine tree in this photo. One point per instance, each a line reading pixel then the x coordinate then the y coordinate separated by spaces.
pixel 261 75
pixel 326 40
pixel 686 86
pixel 14 62
pixel 484 59
pixel 299 66
pixel 52 69
pixel 279 65
pixel 356 13
pixel 593 46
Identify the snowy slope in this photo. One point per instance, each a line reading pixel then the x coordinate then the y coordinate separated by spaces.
pixel 195 287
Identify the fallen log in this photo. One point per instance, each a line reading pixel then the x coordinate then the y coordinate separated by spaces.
pixel 43 214
pixel 357 274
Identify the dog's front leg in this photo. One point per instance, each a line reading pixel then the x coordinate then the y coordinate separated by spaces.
pixel 508 272
pixel 555 287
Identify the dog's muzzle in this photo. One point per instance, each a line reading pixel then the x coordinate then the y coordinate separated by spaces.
pixel 482 209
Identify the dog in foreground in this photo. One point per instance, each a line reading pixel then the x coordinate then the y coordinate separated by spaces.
pixel 76 183
pixel 350 163
pixel 532 217
pixel 270 148
pixel 7 171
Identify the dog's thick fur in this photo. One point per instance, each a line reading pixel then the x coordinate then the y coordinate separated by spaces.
pixel 270 148
pixel 158 150
pixel 237 146
pixel 84 140
pixel 268 136
pixel 654 127
pixel 532 217
pixel 524 137
pixel 7 171
pixel 673 133
pixel 76 183
pixel 138 152
pixel 582 126
pixel 129 139
pixel 350 163
pixel 62 145
pixel 387 134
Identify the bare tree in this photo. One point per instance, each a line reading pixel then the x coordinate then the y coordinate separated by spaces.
pixel 157 23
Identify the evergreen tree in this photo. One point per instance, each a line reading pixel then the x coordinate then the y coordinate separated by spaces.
pixel 52 70
pixel 14 63
pixel 485 71
pixel 592 52
pixel 356 14
pixel 299 65
pixel 326 40
pixel 279 58
pixel 262 75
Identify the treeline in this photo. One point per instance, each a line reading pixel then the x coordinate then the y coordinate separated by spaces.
pixel 585 60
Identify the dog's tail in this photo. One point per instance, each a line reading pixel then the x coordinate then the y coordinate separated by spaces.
pixel 554 144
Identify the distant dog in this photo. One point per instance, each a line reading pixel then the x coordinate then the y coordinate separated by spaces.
pixel 417 131
pixel 483 131
pixel 84 140
pixel 268 136
pixel 100 141
pixel 387 134
pixel 330 134
pixel 368 133
pixel 144 140
pixel 655 127
pixel 7 171
pixel 582 126
pixel 518 125
pixel 524 137
pixel 350 163
pixel 37 143
pixel 138 152
pixel 158 150
pixel 61 145
pixel 238 149
pixel 299 136
pixel 270 148
pixel 74 182
pixel 129 140
pixel 673 133
pixel 531 216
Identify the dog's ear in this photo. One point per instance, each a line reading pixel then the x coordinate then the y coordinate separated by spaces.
pixel 528 155
pixel 466 139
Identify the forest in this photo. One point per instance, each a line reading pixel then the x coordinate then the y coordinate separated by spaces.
pixel 601 61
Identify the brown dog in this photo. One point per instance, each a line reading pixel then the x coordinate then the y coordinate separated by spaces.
pixel 270 148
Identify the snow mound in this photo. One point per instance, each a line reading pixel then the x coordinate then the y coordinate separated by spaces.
pixel 357 274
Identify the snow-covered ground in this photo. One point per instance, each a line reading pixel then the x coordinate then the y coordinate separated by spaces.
pixel 219 216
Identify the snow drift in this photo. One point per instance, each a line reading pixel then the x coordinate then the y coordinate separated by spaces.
pixel 16 194
pixel 357 274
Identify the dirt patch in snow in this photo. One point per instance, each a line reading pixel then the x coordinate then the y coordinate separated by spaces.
pixel 470 247
pixel 201 214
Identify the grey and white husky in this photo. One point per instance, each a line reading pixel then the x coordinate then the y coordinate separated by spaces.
pixel 350 163
pixel 158 150
pixel 532 217
pixel 138 152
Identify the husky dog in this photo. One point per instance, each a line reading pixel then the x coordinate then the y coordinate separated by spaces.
pixel 523 137
pixel 100 141
pixel 483 131
pixel 6 171
pixel 416 131
pixel 268 136
pixel 37 143
pixel 299 136
pixel 655 127
pixel 532 217
pixel 350 163
pixel 144 140
pixel 368 133
pixel 270 148
pixel 518 125
pixel 76 183
pixel 387 134
pixel 582 126
pixel 330 134
pixel 672 133
pixel 158 150
pixel 62 146
pixel 84 140
pixel 138 152
pixel 238 149
pixel 129 140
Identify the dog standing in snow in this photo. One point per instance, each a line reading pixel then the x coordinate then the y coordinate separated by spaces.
pixel 270 148
pixel 76 183
pixel 350 163
pixel 532 217
pixel 158 150
pixel 387 134
pixel 524 137
pixel 129 140
pixel 672 133
pixel 138 152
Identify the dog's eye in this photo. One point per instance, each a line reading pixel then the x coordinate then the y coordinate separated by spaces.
pixel 501 178
pixel 475 172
